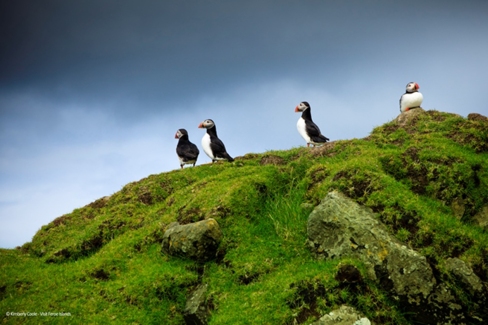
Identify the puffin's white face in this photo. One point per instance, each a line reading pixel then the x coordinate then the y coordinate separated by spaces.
pixel 207 124
pixel 412 87
pixel 180 133
pixel 301 107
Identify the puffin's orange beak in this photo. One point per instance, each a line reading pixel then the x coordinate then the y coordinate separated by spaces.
pixel 297 110
pixel 200 126
pixel 176 135
pixel 417 86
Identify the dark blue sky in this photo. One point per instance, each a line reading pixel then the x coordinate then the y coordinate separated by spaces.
pixel 92 92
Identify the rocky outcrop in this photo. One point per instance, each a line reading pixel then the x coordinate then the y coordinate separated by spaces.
pixel 196 307
pixel 474 288
pixel 465 275
pixel 345 315
pixel 198 241
pixel 409 115
pixel 477 117
pixel 481 218
pixel 458 207
pixel 339 227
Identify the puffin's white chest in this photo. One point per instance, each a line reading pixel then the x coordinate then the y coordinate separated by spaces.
pixel 186 162
pixel 206 145
pixel 302 129
pixel 411 100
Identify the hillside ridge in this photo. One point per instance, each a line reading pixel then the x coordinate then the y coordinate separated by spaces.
pixel 424 175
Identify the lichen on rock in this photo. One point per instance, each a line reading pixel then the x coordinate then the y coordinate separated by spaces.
pixel 339 227
pixel 345 315
pixel 198 241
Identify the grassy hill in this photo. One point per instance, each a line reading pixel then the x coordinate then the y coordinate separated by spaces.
pixel 426 180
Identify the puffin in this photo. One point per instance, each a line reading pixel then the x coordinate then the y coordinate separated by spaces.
pixel 307 128
pixel 412 97
pixel 187 152
pixel 212 145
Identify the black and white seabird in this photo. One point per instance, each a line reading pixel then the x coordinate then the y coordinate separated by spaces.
pixel 212 145
pixel 412 97
pixel 307 128
pixel 187 152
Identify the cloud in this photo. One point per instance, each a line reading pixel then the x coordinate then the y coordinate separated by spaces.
pixel 81 157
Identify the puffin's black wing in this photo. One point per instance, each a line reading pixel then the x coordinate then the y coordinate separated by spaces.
pixel 218 149
pixel 313 132
pixel 320 138
pixel 187 150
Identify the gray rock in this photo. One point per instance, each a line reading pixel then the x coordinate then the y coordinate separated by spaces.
pixel 345 315
pixel 198 241
pixel 458 207
pixel 407 116
pixel 196 308
pixel 441 308
pixel 465 275
pixel 339 227
pixel 481 218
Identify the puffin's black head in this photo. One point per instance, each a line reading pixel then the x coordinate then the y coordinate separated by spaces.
pixel 180 133
pixel 412 87
pixel 207 124
pixel 302 106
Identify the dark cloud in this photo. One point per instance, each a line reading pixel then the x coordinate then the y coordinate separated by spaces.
pixel 151 50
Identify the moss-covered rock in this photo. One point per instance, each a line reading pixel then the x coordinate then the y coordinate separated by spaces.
pixel 198 241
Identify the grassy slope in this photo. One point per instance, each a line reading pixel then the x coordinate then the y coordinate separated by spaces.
pixel 103 262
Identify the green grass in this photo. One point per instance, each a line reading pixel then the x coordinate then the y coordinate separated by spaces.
pixel 103 262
